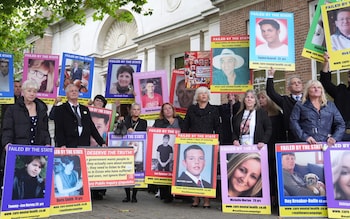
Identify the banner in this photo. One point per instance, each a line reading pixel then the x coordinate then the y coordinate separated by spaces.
pixel 245 180
pixel 271 40
pixel 27 183
pixel 195 165
pixel 138 142
pixel 230 70
pixel 160 155
pixel 335 19
pixel 70 186
pixel 315 44
pixel 110 167
pixel 337 174
pixel 301 182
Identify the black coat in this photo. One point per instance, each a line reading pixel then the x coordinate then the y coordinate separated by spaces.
pixel 164 123
pixel 205 120
pixel 141 124
pixel 263 127
pixel 66 127
pixel 17 124
pixel 340 94
pixel 286 103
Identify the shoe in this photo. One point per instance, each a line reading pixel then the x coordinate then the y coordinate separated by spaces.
pixel 194 206
pixel 97 196
pixel 206 206
pixel 157 194
pixel 126 200
pixel 134 200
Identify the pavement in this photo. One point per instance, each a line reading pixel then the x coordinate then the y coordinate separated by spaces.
pixel 149 207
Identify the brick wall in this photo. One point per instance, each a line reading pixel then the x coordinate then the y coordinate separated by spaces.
pixel 235 22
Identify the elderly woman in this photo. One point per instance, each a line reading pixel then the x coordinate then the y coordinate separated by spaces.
pixel 251 125
pixel 201 117
pixel 26 122
pixel 315 119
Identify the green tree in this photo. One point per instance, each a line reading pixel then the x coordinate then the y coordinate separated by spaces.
pixel 21 19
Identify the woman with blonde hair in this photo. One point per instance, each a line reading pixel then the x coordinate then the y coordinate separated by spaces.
pixel 315 119
pixel 278 135
pixel 42 72
pixel 244 175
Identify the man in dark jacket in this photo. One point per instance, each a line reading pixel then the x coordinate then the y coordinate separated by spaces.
pixel 73 124
pixel 286 102
pixel 340 94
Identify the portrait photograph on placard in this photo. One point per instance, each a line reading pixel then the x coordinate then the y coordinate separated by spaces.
pixel 152 91
pixel 70 189
pixel 337 175
pixel 300 179
pixel 160 155
pixel 43 69
pixel 180 96
pixel 27 185
pixel 77 70
pixel 102 118
pixel 245 179
pixel 120 82
pixel 6 75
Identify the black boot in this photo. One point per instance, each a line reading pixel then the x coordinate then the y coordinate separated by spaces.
pixel 127 192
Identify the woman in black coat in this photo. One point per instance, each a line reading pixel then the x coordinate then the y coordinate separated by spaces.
pixel 26 122
pixel 202 117
pixel 251 125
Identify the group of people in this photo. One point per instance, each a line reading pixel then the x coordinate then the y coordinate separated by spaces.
pixel 257 119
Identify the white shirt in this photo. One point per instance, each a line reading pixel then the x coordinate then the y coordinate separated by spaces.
pixel 265 50
pixel 4 82
pixel 248 139
pixel 339 42
pixel 80 128
pixel 195 179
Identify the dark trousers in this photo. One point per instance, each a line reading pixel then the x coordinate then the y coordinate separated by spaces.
pixel 127 192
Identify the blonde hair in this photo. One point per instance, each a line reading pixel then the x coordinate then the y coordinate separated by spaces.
pixel 310 83
pixel 234 162
pixel 271 107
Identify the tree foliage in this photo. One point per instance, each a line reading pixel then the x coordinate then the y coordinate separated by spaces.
pixel 20 19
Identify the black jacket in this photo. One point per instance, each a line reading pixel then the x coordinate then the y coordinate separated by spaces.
pixel 263 127
pixel 17 124
pixel 205 120
pixel 340 94
pixel 286 103
pixel 66 127
pixel 164 123
pixel 141 124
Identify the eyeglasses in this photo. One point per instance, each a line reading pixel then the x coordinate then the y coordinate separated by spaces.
pixel 39 74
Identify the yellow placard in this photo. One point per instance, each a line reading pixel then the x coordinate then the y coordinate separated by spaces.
pixel 27 213
pixel 303 211
pixel 195 191
pixel 246 209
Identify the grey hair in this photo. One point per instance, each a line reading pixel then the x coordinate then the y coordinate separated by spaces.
pixel 30 84
pixel 199 90
pixel 69 86
pixel 289 80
